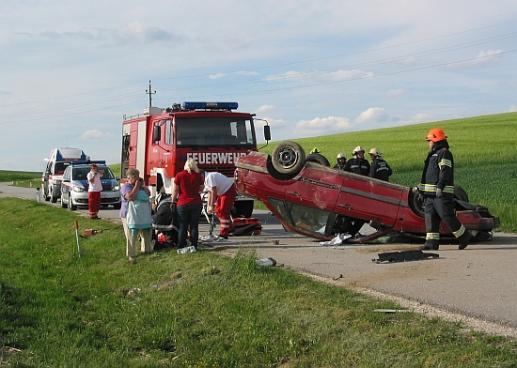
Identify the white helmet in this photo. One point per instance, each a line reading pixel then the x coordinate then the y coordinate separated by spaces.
pixel 358 149
pixel 340 155
pixel 374 152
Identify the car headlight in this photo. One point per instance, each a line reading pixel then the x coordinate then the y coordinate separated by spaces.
pixel 116 188
pixel 79 189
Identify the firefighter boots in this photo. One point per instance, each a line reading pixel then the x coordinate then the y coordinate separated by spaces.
pixel 431 244
pixel 464 239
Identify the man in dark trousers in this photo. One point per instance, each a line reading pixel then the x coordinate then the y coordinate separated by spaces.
pixel 379 169
pixel 437 187
pixel 358 164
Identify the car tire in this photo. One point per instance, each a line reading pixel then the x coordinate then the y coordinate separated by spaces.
pixel 71 206
pixel 318 158
pixel 416 202
pixel 63 204
pixel 287 160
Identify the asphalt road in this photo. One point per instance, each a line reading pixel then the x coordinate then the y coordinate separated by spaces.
pixel 479 281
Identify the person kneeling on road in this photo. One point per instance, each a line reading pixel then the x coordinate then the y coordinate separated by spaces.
pixel 221 196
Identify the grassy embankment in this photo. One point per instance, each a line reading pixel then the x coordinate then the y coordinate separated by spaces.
pixel 195 310
pixel 484 151
pixel 25 179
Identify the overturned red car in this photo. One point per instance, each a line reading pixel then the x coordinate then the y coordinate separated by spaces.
pixel 312 199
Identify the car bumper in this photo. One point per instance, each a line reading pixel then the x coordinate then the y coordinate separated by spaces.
pixel 107 197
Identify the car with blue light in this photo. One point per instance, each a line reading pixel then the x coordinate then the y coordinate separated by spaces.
pixel 74 187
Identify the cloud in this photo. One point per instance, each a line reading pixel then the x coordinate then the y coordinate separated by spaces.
pixel 265 109
pixel 134 32
pixel 344 75
pixel 287 75
pixel 396 92
pixel 513 108
pixel 324 125
pixel 371 115
pixel 93 134
pixel 319 76
pixel 419 117
pixel 216 75
pixel 246 73
pixel 483 57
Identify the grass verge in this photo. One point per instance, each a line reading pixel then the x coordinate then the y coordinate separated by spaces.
pixel 196 310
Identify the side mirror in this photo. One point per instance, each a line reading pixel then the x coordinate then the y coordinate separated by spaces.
pixel 157 133
pixel 267 132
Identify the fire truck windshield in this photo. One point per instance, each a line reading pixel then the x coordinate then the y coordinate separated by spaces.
pixel 214 131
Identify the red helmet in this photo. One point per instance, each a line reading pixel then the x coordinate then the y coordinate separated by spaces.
pixel 435 135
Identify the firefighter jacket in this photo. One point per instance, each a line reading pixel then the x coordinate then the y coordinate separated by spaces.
pixel 438 171
pixel 380 169
pixel 340 167
pixel 358 166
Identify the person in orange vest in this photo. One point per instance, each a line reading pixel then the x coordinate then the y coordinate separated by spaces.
pixel 437 187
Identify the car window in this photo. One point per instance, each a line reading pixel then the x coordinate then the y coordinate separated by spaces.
pixel 305 218
pixel 79 173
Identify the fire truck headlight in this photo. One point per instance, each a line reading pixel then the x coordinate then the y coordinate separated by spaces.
pixel 79 189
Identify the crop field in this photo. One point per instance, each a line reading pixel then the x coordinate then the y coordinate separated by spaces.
pixel 484 151
pixel 6 176
pixel 195 310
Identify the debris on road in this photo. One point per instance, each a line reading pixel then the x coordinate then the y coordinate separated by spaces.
pixel 404 256
pixel 266 262
pixel 337 240
pixel 391 310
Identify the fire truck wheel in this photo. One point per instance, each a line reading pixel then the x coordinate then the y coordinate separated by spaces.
pixel 287 160
pixel 318 158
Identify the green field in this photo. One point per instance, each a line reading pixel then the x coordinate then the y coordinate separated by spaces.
pixel 6 175
pixel 484 151
pixel 195 310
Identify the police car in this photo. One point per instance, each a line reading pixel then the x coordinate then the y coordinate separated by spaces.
pixel 74 188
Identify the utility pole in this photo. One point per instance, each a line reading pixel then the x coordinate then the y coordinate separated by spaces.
pixel 150 92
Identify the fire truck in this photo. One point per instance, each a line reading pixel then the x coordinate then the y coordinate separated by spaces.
pixel 159 142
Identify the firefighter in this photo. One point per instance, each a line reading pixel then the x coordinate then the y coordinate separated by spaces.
pixel 221 196
pixel 379 168
pixel 437 187
pixel 358 164
pixel 340 161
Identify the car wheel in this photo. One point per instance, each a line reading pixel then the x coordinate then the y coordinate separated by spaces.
pixel 319 159
pixel 63 204
pixel 243 209
pixel 287 160
pixel 416 202
pixel 460 194
pixel 71 206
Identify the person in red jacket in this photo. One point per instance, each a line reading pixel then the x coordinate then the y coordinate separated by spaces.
pixel 186 191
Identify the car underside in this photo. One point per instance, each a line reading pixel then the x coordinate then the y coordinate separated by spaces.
pixel 312 199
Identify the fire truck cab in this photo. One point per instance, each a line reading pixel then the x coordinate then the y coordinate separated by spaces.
pixel 159 142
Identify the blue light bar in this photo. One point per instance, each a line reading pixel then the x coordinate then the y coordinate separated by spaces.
pixel 190 105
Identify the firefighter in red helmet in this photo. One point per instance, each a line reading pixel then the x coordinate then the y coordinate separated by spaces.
pixel 437 187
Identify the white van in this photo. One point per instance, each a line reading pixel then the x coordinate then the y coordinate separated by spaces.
pixel 57 162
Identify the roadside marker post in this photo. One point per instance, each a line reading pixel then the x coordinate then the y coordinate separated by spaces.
pixel 77 238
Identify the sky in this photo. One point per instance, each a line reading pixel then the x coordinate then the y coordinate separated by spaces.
pixel 70 70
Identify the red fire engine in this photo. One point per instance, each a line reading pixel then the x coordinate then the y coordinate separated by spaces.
pixel 158 142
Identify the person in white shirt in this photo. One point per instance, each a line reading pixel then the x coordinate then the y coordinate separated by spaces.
pixel 221 196
pixel 94 191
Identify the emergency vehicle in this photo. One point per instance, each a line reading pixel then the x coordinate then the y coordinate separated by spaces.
pixel 159 142
pixel 57 162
